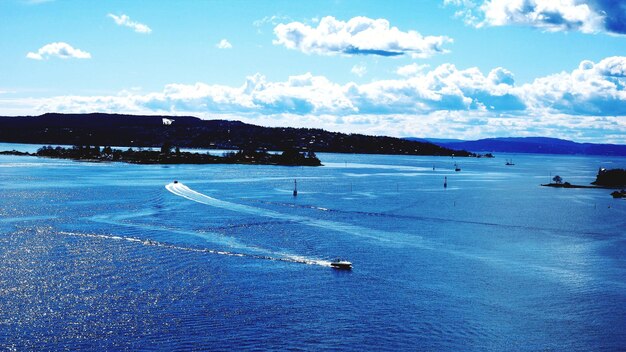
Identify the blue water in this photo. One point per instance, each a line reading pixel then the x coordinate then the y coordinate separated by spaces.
pixel 115 256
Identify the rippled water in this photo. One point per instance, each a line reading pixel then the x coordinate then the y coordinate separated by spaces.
pixel 116 256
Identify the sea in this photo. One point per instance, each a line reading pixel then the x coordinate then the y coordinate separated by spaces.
pixel 115 256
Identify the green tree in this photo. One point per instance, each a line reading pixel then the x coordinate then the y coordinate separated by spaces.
pixel 166 148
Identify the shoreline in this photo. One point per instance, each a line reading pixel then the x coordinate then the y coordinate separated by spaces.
pixel 130 156
pixel 562 185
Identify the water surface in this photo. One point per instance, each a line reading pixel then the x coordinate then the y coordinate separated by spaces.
pixel 116 256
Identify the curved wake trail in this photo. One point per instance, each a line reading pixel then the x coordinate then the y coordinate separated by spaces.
pixel 181 190
pixel 288 259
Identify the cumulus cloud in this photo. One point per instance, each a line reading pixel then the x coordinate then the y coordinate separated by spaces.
pixel 359 70
pixel 587 16
pixel 58 49
pixel 224 44
pixel 591 89
pixel 357 36
pixel 125 21
pixel 586 103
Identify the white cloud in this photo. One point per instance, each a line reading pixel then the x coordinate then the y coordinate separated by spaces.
pixel 273 20
pixel 586 104
pixel 591 89
pixel 357 36
pixel 58 49
pixel 359 70
pixel 125 21
pixel 411 70
pixel 224 44
pixel 587 16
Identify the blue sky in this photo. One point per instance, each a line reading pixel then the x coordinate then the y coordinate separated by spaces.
pixel 448 69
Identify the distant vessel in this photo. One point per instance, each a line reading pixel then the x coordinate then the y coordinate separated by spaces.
pixel 175 181
pixel 445 182
pixel 341 264
pixel 295 188
pixel 509 162
pixel 456 167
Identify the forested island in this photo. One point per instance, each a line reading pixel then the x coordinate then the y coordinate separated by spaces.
pixel 173 155
pixel 191 132
pixel 610 178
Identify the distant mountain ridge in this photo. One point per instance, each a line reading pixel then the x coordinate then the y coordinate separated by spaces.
pixel 99 129
pixel 537 145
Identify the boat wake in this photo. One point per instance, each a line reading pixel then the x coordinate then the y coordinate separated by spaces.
pixel 389 238
pixel 286 258
pixel 181 190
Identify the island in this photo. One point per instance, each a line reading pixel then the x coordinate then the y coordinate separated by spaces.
pixel 619 194
pixel 610 178
pixel 173 155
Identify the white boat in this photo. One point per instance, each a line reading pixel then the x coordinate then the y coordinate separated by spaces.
pixel 341 264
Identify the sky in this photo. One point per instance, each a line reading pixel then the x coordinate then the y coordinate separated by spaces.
pixel 465 69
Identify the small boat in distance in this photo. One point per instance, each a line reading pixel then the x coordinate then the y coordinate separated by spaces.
pixel 341 264
pixel 457 168
pixel 175 181
pixel 509 162
pixel 295 187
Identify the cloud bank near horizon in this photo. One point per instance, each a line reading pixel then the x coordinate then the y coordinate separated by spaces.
pixel 586 103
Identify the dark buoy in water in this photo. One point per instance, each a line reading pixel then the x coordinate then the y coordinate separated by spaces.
pixel 295 187
pixel 175 181
pixel 445 182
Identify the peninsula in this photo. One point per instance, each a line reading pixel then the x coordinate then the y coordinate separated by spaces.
pixel 534 145
pixel 191 132
pixel 606 179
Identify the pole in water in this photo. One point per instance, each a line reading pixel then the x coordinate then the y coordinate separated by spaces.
pixel 445 182
pixel 295 187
